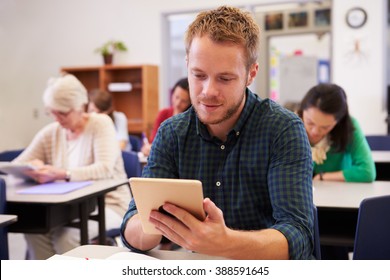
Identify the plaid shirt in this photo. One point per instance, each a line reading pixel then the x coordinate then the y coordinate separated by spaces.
pixel 261 177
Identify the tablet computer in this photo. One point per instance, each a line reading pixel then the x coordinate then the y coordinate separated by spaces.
pixel 151 193
pixel 16 169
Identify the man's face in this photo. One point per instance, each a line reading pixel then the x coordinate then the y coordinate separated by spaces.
pixel 218 77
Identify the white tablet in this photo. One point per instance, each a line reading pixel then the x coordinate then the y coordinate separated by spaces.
pixel 16 169
pixel 151 193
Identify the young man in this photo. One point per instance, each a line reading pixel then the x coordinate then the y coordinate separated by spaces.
pixel 252 156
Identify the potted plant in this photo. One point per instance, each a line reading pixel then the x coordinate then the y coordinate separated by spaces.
pixel 108 49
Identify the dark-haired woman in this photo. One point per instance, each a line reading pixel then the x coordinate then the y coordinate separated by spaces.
pixel 180 102
pixel 339 147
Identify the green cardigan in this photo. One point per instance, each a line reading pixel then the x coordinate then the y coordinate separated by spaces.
pixel 356 161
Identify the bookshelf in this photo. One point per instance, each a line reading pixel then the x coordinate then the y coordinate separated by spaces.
pixel 140 104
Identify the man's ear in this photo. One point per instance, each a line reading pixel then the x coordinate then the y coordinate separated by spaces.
pixel 186 60
pixel 252 73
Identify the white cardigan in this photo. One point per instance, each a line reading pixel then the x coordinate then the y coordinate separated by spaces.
pixel 99 158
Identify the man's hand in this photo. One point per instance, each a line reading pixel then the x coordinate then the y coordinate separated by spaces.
pixel 207 237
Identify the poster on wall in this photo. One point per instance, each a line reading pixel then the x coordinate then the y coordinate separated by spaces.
pixel 297 19
pixel 322 17
pixel 273 21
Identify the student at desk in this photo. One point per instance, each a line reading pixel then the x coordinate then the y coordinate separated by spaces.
pixel 77 146
pixel 339 148
pixel 100 101
pixel 252 156
pixel 180 101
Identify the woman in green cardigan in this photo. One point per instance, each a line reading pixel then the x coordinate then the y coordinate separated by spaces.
pixel 339 147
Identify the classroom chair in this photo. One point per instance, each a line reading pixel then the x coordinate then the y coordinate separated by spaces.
pixel 133 168
pixel 373 229
pixel 10 154
pixel 136 143
pixel 132 165
pixel 379 142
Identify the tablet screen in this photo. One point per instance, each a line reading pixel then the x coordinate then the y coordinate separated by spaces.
pixel 151 193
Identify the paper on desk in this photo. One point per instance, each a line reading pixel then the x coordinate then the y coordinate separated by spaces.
pixel 116 256
pixel 55 188
pixel 130 256
pixel 57 257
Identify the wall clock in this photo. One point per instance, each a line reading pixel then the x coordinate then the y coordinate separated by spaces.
pixel 356 17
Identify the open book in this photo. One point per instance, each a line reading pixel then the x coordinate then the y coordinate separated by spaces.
pixel 116 256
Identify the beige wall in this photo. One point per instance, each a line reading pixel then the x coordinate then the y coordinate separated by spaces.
pixel 38 37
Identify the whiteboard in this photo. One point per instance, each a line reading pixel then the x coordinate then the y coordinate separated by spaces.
pixel 297 75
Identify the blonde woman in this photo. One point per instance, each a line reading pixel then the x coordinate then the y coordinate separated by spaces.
pixel 77 146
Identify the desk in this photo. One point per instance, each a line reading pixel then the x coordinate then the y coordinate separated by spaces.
pixel 103 252
pixel 43 212
pixel 338 205
pixel 382 164
pixel 381 156
pixel 5 220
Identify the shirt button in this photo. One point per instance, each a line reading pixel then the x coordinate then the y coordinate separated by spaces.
pixel 222 147
pixel 218 184
pixel 237 133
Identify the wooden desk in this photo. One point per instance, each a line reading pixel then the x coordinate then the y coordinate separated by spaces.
pixel 338 205
pixel 43 212
pixel 103 252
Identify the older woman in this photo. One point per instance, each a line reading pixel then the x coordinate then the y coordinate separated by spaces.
pixel 339 147
pixel 77 146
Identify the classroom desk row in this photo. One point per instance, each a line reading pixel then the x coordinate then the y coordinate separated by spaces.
pixel 104 252
pixel 338 206
pixel 39 213
pixel 381 156
pixel 382 164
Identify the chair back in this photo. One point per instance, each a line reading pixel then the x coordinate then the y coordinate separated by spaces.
pixel 136 143
pixel 372 238
pixel 132 165
pixel 317 245
pixel 10 155
pixel 379 142
pixel 3 230
pixel 133 168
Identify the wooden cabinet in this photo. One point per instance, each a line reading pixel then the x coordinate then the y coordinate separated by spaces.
pixel 140 104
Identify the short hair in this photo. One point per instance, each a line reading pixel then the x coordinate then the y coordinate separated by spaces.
pixel 331 99
pixel 227 24
pixel 101 99
pixel 182 83
pixel 65 93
